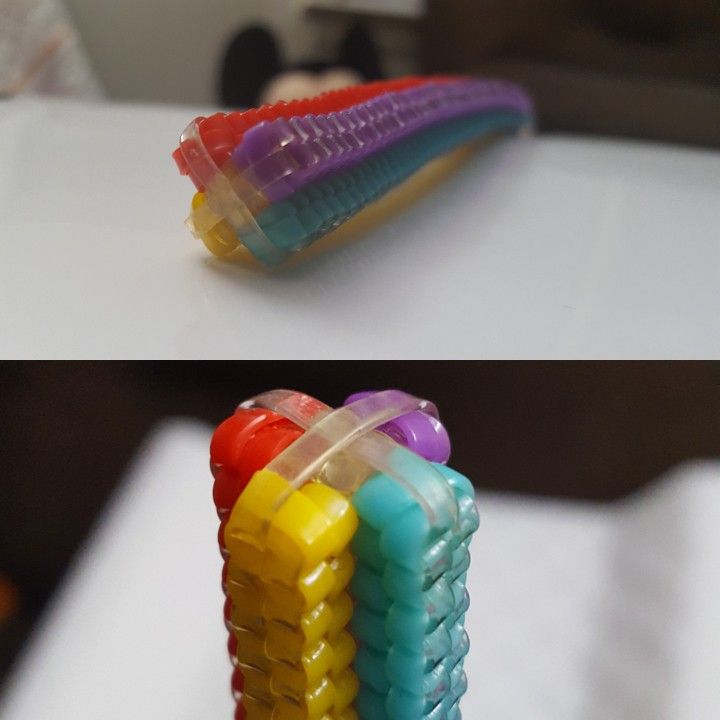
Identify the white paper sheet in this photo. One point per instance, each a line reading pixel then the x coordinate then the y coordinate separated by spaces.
pixel 600 612
pixel 555 247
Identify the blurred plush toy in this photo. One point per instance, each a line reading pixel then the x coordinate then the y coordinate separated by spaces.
pixel 254 72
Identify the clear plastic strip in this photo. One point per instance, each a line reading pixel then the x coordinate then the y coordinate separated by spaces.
pixel 350 428
pixel 221 197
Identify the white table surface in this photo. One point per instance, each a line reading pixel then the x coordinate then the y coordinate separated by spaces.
pixel 599 612
pixel 552 247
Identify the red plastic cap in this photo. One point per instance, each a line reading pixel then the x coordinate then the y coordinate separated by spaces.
pixel 243 444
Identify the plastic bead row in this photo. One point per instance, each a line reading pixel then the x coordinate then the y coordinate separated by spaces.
pixel 287 607
pixel 325 158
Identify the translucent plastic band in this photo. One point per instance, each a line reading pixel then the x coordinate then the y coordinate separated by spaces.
pixel 223 199
pixel 330 432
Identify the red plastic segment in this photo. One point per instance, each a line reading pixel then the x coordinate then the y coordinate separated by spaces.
pixel 241 445
pixel 238 683
pixel 221 133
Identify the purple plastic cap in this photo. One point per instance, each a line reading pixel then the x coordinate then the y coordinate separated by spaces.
pixel 418 431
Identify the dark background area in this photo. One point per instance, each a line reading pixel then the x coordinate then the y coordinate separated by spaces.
pixel 595 431
pixel 639 68
pixel 636 68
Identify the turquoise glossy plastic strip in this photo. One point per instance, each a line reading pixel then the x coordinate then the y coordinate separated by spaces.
pixel 410 590
pixel 307 214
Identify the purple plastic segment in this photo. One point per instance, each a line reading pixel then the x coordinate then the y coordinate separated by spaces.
pixel 281 156
pixel 418 431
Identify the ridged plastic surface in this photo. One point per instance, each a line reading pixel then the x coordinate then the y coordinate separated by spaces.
pixel 288 564
pixel 311 213
pixel 221 133
pixel 242 445
pixel 277 158
pixel 287 580
pixel 409 587
pixel 276 185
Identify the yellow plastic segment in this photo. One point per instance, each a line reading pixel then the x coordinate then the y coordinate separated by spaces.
pixel 246 530
pixel 285 642
pixel 301 534
pixel 217 234
pixel 251 648
pixel 288 572
pixel 344 652
pixel 258 711
pixel 247 612
pixel 280 545
pixel 342 610
pixel 315 704
pixel 346 689
pixel 343 568
pixel 258 682
pixel 314 665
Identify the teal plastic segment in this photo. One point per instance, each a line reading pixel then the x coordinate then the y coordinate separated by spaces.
pixel 411 600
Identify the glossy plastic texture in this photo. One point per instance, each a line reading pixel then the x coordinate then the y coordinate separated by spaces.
pixel 292 178
pixel 249 440
pixel 287 580
pixel 281 229
pixel 419 431
pixel 221 133
pixel 302 622
pixel 288 538
pixel 409 587
pixel 242 445
pixel 320 451
pixel 284 155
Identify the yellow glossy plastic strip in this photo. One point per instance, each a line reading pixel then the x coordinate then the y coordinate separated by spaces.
pixel 287 577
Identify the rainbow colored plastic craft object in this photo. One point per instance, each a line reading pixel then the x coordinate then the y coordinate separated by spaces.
pixel 345 544
pixel 275 179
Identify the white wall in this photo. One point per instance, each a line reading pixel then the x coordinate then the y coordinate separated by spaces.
pixel 169 50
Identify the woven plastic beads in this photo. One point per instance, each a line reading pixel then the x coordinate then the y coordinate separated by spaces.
pixel 345 558
pixel 275 179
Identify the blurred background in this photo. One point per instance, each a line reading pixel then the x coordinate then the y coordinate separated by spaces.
pixel 641 68
pixel 592 431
